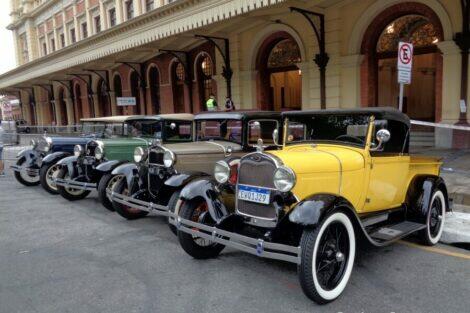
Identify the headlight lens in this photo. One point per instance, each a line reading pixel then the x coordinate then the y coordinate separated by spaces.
pixel 77 150
pixel 169 159
pixel 99 153
pixel 284 179
pixel 48 145
pixel 221 172
pixel 34 143
pixel 138 154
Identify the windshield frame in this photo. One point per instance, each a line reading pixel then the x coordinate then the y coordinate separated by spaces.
pixel 191 129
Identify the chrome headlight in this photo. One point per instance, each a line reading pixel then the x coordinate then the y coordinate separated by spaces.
pixel 221 172
pixel 138 154
pixel 284 179
pixel 48 145
pixel 33 143
pixel 169 158
pixel 99 153
pixel 77 150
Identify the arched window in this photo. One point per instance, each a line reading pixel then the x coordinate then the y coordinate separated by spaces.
pixel 154 84
pixel 103 98
pixel 178 77
pixel 117 86
pixel 204 71
pixel 135 90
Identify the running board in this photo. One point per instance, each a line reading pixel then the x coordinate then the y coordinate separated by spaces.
pixel 390 233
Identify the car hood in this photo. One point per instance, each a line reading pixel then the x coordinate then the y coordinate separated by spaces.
pixel 308 159
pixel 202 147
pixel 70 140
pixel 117 142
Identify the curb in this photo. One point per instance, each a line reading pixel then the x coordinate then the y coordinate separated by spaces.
pixel 456 228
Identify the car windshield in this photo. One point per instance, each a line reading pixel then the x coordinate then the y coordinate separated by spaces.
pixel 227 130
pixel 177 131
pixel 143 128
pixel 106 130
pixel 346 129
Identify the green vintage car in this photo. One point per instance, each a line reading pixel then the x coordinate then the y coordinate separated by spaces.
pixel 90 167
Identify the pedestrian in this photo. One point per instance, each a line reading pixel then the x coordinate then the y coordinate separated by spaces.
pixel 2 172
pixel 211 104
pixel 229 105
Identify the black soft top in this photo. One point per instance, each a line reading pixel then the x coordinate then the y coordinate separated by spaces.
pixel 380 113
pixel 238 115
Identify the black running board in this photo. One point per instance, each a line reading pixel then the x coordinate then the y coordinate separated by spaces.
pixel 385 235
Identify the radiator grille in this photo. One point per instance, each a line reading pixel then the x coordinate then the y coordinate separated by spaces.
pixel 90 148
pixel 156 156
pixel 256 170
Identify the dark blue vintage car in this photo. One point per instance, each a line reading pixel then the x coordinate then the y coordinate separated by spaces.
pixel 38 165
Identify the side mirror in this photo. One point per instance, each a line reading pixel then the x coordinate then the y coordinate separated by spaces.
pixel 382 136
pixel 276 137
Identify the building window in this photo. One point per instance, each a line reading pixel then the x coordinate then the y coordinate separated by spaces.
pixel 52 45
pixel 112 17
pixel 84 30
pixel 98 23
pixel 44 49
pixel 73 37
pixel 129 9
pixel 62 40
pixel 204 78
pixel 149 5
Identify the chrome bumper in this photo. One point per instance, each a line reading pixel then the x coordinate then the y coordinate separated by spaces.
pixel 138 204
pixel 255 246
pixel 74 184
pixel 29 171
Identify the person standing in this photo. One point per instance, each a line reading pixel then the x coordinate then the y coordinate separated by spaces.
pixel 211 104
pixel 229 106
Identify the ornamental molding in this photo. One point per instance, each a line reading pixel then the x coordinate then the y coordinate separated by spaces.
pixel 169 20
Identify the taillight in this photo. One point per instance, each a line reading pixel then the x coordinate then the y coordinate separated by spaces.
pixel 233 174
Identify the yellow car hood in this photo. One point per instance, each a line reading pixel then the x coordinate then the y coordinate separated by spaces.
pixel 308 159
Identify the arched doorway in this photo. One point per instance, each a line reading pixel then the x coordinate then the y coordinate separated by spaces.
pixel 154 85
pixel 279 79
pixel 408 22
pixel 117 87
pixel 204 72
pixel 178 75
pixel 60 102
pixel 103 98
pixel 78 110
pixel 135 91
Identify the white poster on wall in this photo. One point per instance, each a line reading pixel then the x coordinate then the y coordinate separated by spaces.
pixel 125 101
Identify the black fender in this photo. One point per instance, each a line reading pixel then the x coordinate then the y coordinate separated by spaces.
pixel 108 166
pixel 206 189
pixel 182 179
pixel 418 197
pixel 54 157
pixel 69 162
pixel 129 170
pixel 315 208
pixel 33 158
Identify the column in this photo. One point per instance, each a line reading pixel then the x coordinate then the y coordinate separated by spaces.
pixel 104 17
pixel 119 12
pixel 32 38
pixel 137 7
pixel 70 111
pixel 89 19
pixel 350 93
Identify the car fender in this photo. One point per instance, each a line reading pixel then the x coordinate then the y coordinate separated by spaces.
pixel 31 156
pixel 182 179
pixel 129 170
pixel 69 163
pixel 54 157
pixel 206 189
pixel 109 166
pixel 418 197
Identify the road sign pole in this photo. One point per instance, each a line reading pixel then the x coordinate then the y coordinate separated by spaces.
pixel 400 98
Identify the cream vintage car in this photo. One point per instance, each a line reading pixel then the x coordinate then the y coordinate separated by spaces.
pixel 338 175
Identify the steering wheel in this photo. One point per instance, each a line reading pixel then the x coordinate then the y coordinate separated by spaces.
pixel 350 138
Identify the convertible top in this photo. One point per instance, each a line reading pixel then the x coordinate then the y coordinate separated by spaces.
pixel 381 113
pixel 237 115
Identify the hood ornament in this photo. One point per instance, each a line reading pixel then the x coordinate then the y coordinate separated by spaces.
pixel 259 145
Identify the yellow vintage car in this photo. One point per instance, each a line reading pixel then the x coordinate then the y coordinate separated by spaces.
pixel 338 176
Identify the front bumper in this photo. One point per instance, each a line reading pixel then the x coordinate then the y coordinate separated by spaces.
pixel 255 246
pixel 29 170
pixel 138 204
pixel 75 184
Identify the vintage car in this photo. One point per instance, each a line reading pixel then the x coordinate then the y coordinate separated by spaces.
pixel 154 181
pixel 38 165
pixel 340 176
pixel 90 168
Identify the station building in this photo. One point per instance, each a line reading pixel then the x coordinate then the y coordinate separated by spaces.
pixel 75 57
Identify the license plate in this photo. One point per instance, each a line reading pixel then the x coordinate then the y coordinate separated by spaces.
pixel 253 194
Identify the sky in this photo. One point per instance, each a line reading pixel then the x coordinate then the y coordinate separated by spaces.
pixel 7 54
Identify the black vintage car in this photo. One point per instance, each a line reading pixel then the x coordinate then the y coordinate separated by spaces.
pixel 154 181
pixel 91 168
pixel 37 165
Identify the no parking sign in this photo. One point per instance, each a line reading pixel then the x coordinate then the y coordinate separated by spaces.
pixel 405 62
